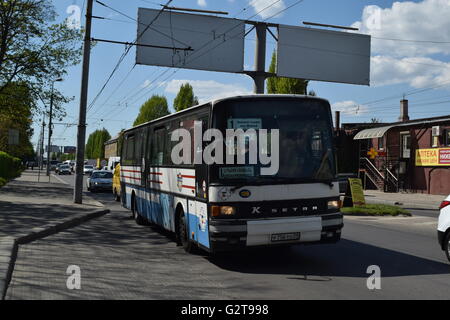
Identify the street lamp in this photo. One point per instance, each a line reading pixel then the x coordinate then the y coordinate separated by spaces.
pixel 50 125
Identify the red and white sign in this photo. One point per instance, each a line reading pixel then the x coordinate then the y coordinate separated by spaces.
pixel 444 156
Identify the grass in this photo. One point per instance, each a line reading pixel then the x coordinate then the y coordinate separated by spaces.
pixel 376 210
pixel 2 182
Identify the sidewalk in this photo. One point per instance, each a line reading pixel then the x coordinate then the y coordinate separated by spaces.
pixel 26 203
pixel 405 200
pixel 31 210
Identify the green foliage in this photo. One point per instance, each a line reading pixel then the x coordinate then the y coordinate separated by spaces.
pixel 95 147
pixel 281 85
pixel 185 98
pixel 64 157
pixel 16 105
pixel 154 108
pixel 10 167
pixel 2 182
pixel 34 49
pixel 376 210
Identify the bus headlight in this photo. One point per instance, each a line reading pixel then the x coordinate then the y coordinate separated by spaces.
pixel 334 204
pixel 222 211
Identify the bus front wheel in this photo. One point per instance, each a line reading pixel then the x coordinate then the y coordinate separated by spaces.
pixel 182 233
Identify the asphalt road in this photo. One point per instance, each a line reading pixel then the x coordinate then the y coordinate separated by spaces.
pixel 120 260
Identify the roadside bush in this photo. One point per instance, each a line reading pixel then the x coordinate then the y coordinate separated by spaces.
pixel 376 210
pixel 10 167
pixel 2 182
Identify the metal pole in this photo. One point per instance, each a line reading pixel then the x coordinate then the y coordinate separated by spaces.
pixel 81 137
pixel 50 130
pixel 260 58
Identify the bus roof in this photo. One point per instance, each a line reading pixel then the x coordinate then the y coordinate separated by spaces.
pixel 231 98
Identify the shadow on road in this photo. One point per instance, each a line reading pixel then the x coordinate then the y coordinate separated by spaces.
pixel 345 259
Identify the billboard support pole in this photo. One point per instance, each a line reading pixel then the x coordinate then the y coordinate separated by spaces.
pixel 81 137
pixel 259 76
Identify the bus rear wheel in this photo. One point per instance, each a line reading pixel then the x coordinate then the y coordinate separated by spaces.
pixel 134 210
pixel 182 234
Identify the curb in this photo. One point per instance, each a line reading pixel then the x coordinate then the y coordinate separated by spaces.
pixel 9 246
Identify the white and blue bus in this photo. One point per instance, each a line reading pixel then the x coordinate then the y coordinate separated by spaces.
pixel 223 207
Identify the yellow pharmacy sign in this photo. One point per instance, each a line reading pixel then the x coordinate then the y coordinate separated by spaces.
pixel 436 157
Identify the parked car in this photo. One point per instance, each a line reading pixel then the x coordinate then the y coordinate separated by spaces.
pixel 53 164
pixel 88 169
pixel 64 169
pixel 116 183
pixel 444 226
pixel 99 181
pixel 57 167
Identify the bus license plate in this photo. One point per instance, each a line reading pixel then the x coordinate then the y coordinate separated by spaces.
pixel 285 237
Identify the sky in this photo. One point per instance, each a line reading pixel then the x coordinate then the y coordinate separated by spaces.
pixel 410 51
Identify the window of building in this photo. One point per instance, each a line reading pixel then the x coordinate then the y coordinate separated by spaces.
pixel 434 141
pixel 447 137
pixel 405 139
pixel 381 143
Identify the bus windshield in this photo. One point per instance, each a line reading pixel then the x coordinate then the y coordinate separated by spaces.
pixel 305 139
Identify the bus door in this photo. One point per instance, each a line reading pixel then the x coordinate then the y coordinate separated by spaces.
pixel 201 183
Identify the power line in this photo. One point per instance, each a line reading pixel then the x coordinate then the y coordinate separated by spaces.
pixel 197 50
pixel 230 29
pixel 122 57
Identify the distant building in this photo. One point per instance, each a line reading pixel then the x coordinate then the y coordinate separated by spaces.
pixel 111 147
pixel 409 155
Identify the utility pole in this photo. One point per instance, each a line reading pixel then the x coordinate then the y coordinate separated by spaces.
pixel 50 131
pixel 81 137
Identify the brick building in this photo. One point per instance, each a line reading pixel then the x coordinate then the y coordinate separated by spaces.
pixel 410 155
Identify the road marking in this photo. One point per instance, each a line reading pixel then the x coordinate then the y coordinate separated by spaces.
pixel 59 179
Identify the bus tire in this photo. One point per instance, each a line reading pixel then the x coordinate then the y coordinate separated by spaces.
pixel 182 233
pixel 134 210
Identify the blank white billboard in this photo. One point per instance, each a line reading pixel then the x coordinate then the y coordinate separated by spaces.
pixel 217 43
pixel 323 55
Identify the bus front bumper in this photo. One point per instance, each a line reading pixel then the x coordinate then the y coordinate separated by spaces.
pixel 227 235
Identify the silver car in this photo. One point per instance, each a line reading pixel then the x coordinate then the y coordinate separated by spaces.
pixel 64 169
pixel 88 169
pixel 99 181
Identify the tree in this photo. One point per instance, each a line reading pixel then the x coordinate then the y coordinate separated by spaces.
pixel 16 105
pixel 185 98
pixel 95 146
pixel 154 108
pixel 34 50
pixel 282 85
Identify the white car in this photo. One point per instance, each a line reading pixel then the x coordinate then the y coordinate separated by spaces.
pixel 444 226
pixel 88 169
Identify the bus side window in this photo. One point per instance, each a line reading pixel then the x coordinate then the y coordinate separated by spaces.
pixel 129 150
pixel 138 147
pixel 157 154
